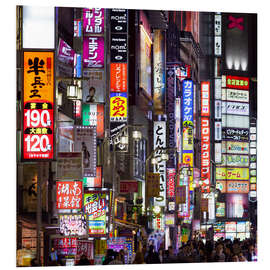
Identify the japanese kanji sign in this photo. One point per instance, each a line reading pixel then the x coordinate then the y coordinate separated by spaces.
pixel 187 108
pixel 69 195
pixel 38 105
pixel 153 186
pixel 237 82
pixel 235 95
pixel 118 107
pixel 93 52
pixel 118 77
pixel 96 208
pixel 93 21
pixel 205 99
pixel 171 182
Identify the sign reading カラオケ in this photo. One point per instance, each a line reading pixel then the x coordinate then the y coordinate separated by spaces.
pixel 38 105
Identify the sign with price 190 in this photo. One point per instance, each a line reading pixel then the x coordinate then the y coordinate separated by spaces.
pixel 38 105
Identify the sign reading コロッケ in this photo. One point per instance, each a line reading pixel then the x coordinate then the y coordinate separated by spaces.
pixel 38 105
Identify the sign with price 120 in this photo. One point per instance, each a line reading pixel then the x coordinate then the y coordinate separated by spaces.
pixel 38 105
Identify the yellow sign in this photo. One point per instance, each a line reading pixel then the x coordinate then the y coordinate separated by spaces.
pixel 188 159
pixel 232 173
pixel 153 184
pixel 38 76
pixel 188 139
pixel 118 107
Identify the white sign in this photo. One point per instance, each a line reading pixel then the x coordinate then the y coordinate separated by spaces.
pixel 217 25
pixel 218 131
pixel 235 121
pixel 235 108
pixel 218 152
pixel 218 46
pixel 217 88
pixel 235 95
pixel 160 167
pixel 235 147
pixel 218 108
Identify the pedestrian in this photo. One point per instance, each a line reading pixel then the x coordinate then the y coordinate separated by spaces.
pixel 116 259
pixel 161 255
pixel 83 260
pixel 109 257
pixel 152 257
pixel 241 257
pixel 235 258
pixel 139 259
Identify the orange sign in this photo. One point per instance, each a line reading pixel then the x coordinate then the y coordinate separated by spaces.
pixel 118 77
pixel 237 186
pixel 38 76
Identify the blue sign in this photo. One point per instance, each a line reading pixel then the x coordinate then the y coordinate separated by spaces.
pixel 187 108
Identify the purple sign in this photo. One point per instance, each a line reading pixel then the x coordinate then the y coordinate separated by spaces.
pixel 93 52
pixel 65 53
pixel 93 21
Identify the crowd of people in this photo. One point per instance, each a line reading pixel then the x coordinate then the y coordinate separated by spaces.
pixel 195 251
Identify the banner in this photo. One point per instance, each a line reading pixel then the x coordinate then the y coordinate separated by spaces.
pixel 93 21
pixel 93 115
pixel 69 166
pixel 72 225
pixel 237 186
pixel 118 107
pixel 232 173
pixel 93 52
pixel 235 95
pixel 205 154
pixel 68 194
pixel 96 209
pixel 235 160
pixel 38 105
pixel 237 82
pixel 128 186
pixel 205 99
pixel 231 147
pixel 187 108
pixel 119 77
pixel 235 108
pixel 65 53
pixel 160 167
pixel 171 182
pixel 235 134
pixel 85 141
pixel 159 81
pixel 153 186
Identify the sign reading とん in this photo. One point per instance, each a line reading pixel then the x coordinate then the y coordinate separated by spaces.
pixel 38 105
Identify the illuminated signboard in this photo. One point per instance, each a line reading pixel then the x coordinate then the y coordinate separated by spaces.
pixel 235 160
pixel 96 209
pixel 118 77
pixel 236 205
pixel 65 53
pixel 93 115
pixel 235 134
pixel 68 194
pixel 69 165
pixel 71 225
pixel 221 185
pixel 93 21
pixel 205 154
pixel 171 182
pixel 85 142
pixel 94 182
pixel 118 20
pixel 119 48
pixel 235 95
pixel 160 167
pixel 230 226
pixel 237 186
pixel 38 105
pixel 169 219
pixel 159 72
pixel 231 147
pixel 205 99
pixel 237 82
pixel 187 108
pixel 118 107
pixel 93 52
pixel 187 138
pixel 236 108
pixel 232 173
pixel 188 160
pixel 220 209
pixel 237 121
